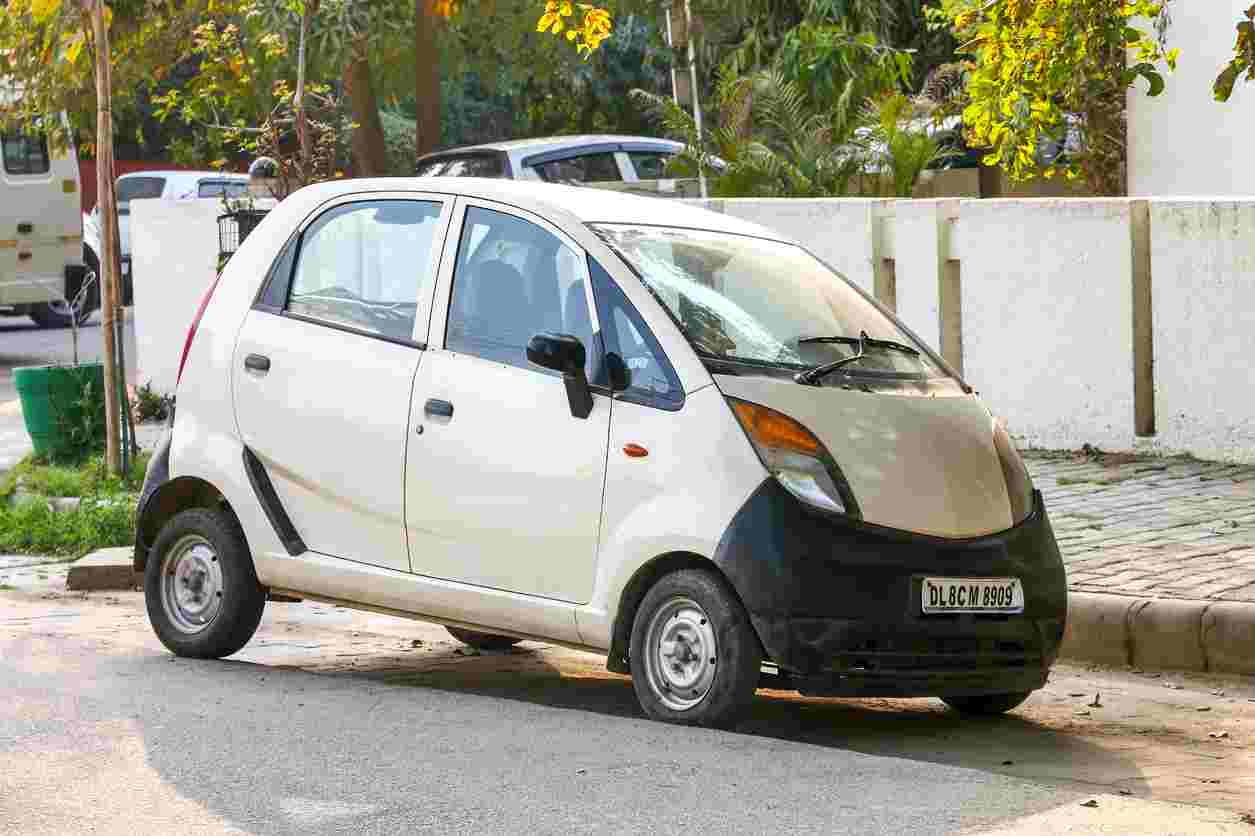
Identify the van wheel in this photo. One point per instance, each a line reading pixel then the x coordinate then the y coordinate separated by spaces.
pixel 482 641
pixel 203 597
pixel 695 658
pixel 986 705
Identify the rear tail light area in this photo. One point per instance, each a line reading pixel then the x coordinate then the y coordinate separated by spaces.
pixel 191 331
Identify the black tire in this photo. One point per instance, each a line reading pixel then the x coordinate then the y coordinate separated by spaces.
pixel 698 604
pixel 483 641
pixel 216 540
pixel 986 705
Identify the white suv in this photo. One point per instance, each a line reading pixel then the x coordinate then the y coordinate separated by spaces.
pixel 628 426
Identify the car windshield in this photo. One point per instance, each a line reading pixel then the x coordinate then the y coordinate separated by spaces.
pixel 765 303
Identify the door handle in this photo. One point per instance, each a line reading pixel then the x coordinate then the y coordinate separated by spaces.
pixel 257 363
pixel 25 228
pixel 438 409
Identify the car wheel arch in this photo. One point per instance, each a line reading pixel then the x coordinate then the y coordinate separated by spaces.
pixel 638 586
pixel 172 497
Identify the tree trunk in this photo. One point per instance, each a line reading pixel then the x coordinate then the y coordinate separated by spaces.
pixel 427 77
pixel 370 152
pixel 110 263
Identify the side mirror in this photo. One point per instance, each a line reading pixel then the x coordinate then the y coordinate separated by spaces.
pixel 564 353
pixel 620 375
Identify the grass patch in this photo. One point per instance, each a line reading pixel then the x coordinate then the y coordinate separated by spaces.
pixel 88 478
pixel 33 528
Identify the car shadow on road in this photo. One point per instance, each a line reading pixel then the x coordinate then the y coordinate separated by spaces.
pixel 917 729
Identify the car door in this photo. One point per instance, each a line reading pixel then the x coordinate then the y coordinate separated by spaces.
pixel 323 367
pixel 503 484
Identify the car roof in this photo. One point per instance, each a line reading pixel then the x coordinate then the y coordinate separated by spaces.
pixel 179 173
pixel 554 143
pixel 580 204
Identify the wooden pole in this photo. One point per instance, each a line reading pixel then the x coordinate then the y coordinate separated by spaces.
pixel 110 263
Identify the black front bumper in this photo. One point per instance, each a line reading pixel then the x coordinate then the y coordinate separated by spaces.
pixel 837 603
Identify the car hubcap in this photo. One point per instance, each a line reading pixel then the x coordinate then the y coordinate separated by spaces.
pixel 681 653
pixel 191 584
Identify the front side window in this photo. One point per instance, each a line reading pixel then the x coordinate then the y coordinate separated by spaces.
pixel 766 304
pixel 650 378
pixel 650 165
pixel 366 266
pixel 513 280
pixel 25 153
pixel 585 168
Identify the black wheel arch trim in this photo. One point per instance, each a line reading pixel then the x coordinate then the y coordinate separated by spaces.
pixel 271 504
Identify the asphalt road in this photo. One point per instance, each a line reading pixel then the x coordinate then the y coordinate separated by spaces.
pixel 22 343
pixel 338 722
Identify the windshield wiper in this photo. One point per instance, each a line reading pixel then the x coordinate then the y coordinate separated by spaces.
pixel 810 377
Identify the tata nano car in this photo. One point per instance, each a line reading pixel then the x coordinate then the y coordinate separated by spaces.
pixel 609 422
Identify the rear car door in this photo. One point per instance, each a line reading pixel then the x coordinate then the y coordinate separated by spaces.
pixel 503 484
pixel 324 364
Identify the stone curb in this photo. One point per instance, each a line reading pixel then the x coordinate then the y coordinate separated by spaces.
pixel 104 569
pixel 1163 633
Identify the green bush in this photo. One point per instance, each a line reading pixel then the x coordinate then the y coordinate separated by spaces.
pixel 34 528
pixel 400 135
pixel 88 478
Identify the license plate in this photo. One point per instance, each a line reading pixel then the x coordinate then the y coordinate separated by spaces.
pixel 1000 595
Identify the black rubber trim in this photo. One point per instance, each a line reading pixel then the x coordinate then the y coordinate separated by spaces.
pixel 818 587
pixel 265 491
pixel 158 474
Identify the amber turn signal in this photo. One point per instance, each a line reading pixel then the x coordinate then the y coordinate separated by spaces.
pixel 635 451
pixel 772 429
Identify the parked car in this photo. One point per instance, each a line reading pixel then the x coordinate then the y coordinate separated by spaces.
pixel 625 425
pixel 168 185
pixel 41 245
pixel 558 159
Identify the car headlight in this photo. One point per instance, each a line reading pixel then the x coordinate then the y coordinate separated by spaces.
pixel 796 458
pixel 1019 483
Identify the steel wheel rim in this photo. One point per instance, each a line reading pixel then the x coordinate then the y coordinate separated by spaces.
pixel 191 584
pixel 680 653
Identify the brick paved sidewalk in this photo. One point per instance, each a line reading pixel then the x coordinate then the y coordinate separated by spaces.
pixel 1170 528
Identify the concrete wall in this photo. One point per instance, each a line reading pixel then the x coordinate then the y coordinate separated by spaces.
pixel 1119 323
pixel 1183 142
pixel 1203 264
pixel 174 259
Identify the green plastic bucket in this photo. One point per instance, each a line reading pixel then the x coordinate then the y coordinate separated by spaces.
pixel 51 397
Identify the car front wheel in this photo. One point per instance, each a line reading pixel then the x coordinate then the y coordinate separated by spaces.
pixel 202 593
pixel 695 659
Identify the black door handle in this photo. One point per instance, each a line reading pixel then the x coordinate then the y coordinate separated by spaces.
pixel 257 363
pixel 438 409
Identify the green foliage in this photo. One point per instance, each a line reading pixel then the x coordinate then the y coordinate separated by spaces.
pixel 1243 60
pixel 900 146
pixel 151 405
pixel 34 528
pixel 1037 63
pixel 402 141
pixel 81 422
pixel 88 477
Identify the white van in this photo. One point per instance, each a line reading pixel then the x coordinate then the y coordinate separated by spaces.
pixel 626 425
pixel 41 234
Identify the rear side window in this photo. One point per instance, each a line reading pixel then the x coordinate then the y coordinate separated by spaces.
pixel 25 153
pixel 218 188
pixel 471 165
pixel 513 280
pixel 138 188
pixel 651 379
pixel 365 266
pixel 650 165
pixel 585 168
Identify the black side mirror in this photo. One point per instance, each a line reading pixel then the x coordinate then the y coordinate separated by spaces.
pixel 564 353
pixel 620 375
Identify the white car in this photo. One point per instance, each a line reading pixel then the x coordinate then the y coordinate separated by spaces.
pixel 619 424
pixel 168 185
pixel 603 158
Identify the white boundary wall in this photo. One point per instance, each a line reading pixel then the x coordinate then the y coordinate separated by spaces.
pixel 1036 301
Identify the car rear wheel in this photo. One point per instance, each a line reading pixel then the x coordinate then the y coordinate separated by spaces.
pixel 482 641
pixel 694 656
pixel 986 705
pixel 202 593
